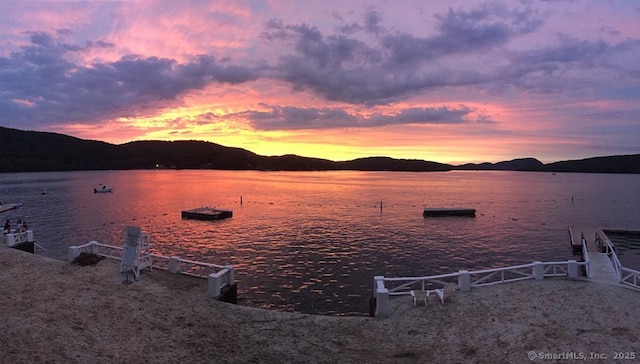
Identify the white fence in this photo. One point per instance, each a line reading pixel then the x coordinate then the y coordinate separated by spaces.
pixel 626 276
pixel 218 276
pixel 12 239
pixel 585 255
pixel 465 280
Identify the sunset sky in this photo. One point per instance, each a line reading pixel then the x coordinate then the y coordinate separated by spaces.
pixel 445 81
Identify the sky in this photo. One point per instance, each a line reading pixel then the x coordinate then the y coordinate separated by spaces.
pixel 446 81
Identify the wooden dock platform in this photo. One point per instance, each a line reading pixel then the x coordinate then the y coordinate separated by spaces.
pixel 600 266
pixel 577 231
pixel 206 213
pixel 444 211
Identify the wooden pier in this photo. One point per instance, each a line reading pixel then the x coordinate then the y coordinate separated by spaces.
pixel 589 232
pixel 600 266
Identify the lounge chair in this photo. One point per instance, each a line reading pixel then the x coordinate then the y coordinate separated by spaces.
pixel 446 293
pixel 419 295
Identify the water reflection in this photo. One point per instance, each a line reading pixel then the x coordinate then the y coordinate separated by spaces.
pixel 312 241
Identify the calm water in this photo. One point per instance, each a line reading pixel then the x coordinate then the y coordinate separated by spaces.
pixel 312 241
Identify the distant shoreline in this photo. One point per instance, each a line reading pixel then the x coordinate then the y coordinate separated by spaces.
pixel 32 151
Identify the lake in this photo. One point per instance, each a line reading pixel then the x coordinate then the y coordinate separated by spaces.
pixel 311 242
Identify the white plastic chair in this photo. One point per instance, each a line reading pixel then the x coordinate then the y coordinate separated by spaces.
pixel 446 293
pixel 419 295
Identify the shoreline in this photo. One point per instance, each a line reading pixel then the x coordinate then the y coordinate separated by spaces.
pixel 59 312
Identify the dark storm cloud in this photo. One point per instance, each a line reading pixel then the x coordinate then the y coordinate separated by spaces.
pixel 40 85
pixel 395 65
pixel 292 118
pixel 458 32
pixel 364 62
pixel 425 115
pixel 373 21
pixel 563 66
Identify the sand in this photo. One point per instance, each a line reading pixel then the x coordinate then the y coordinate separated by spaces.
pixel 55 312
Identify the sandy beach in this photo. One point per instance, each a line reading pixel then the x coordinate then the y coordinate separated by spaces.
pixel 56 312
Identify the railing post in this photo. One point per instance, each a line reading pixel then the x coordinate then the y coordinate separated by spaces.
pixel 464 280
pixel 74 251
pixel 10 239
pixel 174 265
pixel 572 269
pixel 29 236
pixel 93 247
pixel 587 268
pixel 538 271
pixel 383 305
pixel 213 285
pixel 231 273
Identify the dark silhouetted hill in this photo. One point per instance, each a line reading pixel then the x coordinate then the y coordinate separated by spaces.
pixel 521 164
pixel 611 164
pixel 391 164
pixel 26 151
pixel 32 151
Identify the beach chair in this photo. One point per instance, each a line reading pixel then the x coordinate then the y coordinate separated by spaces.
pixel 419 295
pixel 446 293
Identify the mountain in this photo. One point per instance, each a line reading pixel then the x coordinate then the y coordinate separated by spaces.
pixel 26 151
pixel 33 151
pixel 521 164
pixel 611 164
pixel 391 164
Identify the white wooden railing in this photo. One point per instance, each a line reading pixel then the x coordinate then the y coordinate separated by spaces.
pixel 218 276
pixel 585 256
pixel 630 277
pixel 39 248
pixel 625 275
pixel 465 280
pixel 14 238
pixel 606 246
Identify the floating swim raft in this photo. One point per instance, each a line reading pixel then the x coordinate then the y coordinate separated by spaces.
pixel 206 213
pixel 444 211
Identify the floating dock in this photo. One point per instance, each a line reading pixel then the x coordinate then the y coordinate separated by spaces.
pixel 206 213
pixel 443 211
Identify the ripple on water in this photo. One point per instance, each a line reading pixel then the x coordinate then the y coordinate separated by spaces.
pixel 312 241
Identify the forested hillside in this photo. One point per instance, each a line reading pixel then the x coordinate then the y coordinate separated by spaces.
pixel 32 151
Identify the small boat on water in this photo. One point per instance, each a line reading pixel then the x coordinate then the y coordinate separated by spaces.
pixel 103 189
pixel 444 211
pixel 9 206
